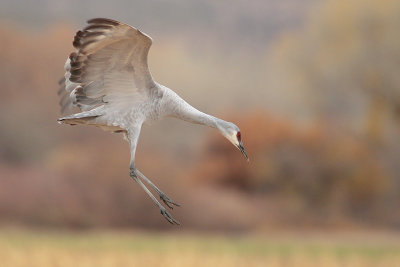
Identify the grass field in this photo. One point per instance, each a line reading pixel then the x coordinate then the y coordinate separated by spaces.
pixel 52 248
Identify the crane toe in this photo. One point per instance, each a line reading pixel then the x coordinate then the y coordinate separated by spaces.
pixel 168 201
pixel 168 216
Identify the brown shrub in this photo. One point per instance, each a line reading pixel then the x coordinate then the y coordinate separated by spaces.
pixel 323 171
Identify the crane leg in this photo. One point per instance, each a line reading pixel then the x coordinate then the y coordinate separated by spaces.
pixel 161 194
pixel 164 212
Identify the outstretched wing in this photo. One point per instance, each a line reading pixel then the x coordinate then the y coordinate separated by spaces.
pixel 108 66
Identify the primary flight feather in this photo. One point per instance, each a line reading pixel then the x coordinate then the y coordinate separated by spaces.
pixel 108 78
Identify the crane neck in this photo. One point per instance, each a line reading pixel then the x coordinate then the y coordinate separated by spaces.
pixel 196 116
pixel 179 108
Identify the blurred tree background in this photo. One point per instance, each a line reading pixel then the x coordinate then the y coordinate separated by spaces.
pixel 314 88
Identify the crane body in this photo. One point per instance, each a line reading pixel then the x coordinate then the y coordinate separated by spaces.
pixel 108 78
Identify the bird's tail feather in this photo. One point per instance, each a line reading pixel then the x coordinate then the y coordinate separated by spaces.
pixel 76 120
pixel 79 118
pixel 93 118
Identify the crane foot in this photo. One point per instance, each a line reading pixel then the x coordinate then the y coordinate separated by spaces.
pixel 168 201
pixel 168 216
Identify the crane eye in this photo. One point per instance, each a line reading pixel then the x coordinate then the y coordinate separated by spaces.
pixel 239 136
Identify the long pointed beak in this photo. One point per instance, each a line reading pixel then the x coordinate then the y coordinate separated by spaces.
pixel 241 148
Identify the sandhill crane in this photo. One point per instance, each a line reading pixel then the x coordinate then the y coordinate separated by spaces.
pixel 108 79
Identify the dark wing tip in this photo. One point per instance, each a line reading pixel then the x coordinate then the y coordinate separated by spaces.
pixel 93 34
pixel 97 27
pixel 103 21
pixel 79 33
pixel 61 81
pixel 72 56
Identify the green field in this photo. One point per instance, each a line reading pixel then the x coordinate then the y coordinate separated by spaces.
pixel 95 248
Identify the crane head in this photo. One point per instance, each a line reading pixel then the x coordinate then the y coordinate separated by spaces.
pixel 233 134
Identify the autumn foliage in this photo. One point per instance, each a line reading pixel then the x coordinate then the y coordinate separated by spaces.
pixel 322 138
pixel 325 174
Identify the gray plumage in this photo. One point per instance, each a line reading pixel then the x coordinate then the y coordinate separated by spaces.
pixel 108 78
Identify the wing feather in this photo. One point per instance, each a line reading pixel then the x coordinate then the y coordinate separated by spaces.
pixel 108 66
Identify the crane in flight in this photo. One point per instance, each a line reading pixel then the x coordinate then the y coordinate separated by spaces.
pixel 107 77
